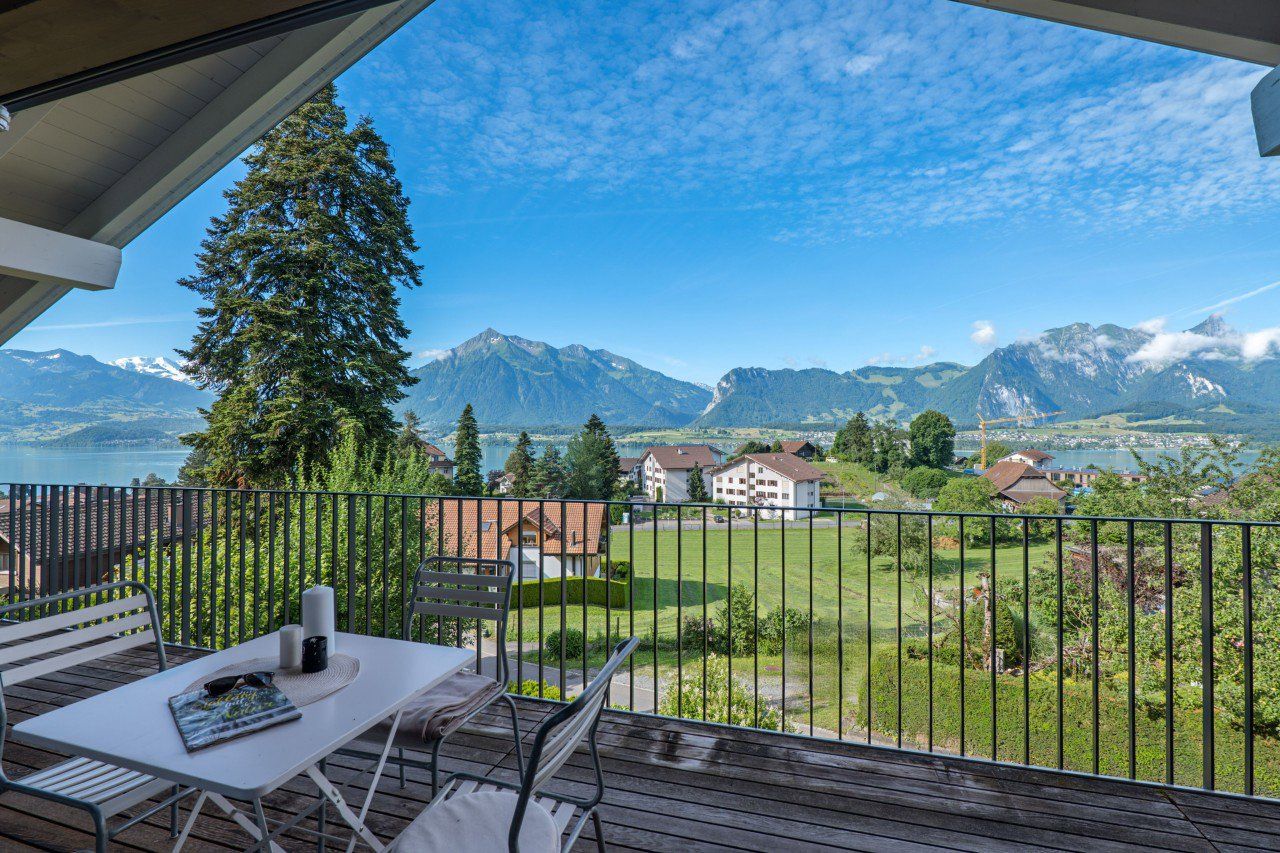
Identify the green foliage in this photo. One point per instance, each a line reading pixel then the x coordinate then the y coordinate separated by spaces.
pixel 733 628
pixel 598 590
pixel 300 324
pixel 996 450
pixel 550 479
pixel 751 446
pixel 539 689
pixel 933 439
pixel 520 466
pixel 853 442
pixel 574 644
pixel 887 454
pixel 697 485
pixel 727 700
pixel 619 570
pixel 1008 629
pixel 591 463
pixel 966 494
pixel 466 455
pixel 924 483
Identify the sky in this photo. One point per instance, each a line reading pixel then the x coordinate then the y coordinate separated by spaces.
pixel 792 183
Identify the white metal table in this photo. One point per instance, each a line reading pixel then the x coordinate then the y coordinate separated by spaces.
pixel 132 727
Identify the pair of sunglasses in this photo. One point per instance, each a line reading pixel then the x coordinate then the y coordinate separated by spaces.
pixel 227 683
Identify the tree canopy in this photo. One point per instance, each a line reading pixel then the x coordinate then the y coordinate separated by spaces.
pixel 591 462
pixel 466 455
pixel 933 440
pixel 300 329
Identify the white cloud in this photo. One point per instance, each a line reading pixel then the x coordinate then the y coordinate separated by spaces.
pixel 832 119
pixel 921 356
pixel 1232 300
pixel 1154 326
pixel 1165 348
pixel 983 334
pixel 434 354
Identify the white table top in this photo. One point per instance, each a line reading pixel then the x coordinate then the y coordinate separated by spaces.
pixel 131 726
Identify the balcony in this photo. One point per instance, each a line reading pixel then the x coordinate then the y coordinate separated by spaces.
pixel 1129 759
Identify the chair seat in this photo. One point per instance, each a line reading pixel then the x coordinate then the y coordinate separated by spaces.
pixel 476 818
pixel 113 789
pixel 438 712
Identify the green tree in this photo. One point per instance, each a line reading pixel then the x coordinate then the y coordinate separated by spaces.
pixel 924 483
pixel 549 476
pixel 751 446
pixel 697 486
pixel 776 447
pixel 727 699
pixel 887 453
pixel 966 494
pixel 853 442
pixel 411 431
pixel 466 455
pixel 933 439
pixel 591 462
pixel 520 466
pixel 299 334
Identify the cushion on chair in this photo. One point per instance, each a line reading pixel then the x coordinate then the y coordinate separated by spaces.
pixel 440 710
pixel 478 823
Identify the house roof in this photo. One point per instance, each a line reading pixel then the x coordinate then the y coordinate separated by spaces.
pixel 796 446
pixel 1036 455
pixel 569 528
pixel 627 463
pixel 787 464
pixel 1020 482
pixel 681 457
pixel 431 450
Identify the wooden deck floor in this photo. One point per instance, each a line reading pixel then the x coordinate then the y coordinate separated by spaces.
pixel 690 787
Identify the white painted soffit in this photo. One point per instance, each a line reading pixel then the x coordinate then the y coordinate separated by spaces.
pixel 274 86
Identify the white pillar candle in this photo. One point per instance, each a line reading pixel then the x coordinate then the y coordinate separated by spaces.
pixel 290 646
pixel 317 615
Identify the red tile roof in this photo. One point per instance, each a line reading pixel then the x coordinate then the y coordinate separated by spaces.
pixel 568 528
pixel 787 464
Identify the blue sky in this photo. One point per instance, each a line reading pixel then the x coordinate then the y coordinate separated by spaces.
pixel 790 183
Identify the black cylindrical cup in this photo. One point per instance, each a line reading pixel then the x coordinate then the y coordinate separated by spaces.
pixel 315 654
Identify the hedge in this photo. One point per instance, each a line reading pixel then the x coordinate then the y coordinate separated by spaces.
pixel 598 589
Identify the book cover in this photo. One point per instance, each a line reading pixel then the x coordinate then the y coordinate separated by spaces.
pixel 204 721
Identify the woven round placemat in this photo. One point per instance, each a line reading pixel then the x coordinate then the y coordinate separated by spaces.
pixel 302 688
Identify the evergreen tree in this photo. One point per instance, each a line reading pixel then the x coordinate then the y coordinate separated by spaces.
pixel 410 436
pixel 466 455
pixel 549 476
pixel 776 447
pixel 697 486
pixel 933 440
pixel 520 466
pixel 591 462
pixel 853 442
pixel 299 334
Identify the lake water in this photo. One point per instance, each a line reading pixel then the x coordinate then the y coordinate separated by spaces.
pixel 118 466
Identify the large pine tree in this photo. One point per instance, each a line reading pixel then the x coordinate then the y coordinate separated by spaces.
pixel 466 455
pixel 520 466
pixel 300 334
pixel 592 462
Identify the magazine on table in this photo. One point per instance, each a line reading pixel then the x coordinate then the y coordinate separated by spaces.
pixel 205 720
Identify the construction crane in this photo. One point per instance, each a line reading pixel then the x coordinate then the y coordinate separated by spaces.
pixel 1024 419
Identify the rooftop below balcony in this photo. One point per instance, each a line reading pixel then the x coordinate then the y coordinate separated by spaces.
pixel 677 785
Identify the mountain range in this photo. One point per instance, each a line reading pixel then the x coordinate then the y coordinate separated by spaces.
pixel 1206 378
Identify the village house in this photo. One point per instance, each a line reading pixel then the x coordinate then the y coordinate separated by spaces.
pixel 629 468
pixel 543 539
pixel 783 482
pixel 1034 458
pixel 804 449
pixel 439 461
pixel 664 470
pixel 1017 483
pixel 1084 477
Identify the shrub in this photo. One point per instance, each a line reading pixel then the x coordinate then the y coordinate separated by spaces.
pixel 619 570
pixel 599 591
pixel 924 483
pixel 684 699
pixel 775 624
pixel 531 687
pixel 574 644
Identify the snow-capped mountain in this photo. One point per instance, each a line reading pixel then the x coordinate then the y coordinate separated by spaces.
pixel 153 366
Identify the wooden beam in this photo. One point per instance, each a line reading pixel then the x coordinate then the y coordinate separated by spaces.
pixel 1248 30
pixel 39 254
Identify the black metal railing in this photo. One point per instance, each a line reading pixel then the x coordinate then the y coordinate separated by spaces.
pixel 1132 647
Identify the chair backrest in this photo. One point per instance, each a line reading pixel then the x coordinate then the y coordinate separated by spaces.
pixel 564 731
pixel 123 617
pixel 444 590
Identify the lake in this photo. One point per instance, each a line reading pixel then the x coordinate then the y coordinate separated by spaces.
pixel 118 466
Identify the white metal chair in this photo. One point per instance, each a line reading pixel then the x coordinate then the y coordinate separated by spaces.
pixel 483 593
pixel 473 813
pixel 40 645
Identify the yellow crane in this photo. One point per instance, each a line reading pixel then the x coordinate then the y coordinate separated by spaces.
pixel 1024 419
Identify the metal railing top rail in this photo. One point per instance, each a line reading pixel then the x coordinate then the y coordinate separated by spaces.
pixel 686 505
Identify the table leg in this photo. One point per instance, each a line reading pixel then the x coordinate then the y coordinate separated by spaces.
pixel 256 829
pixel 353 820
pixel 191 821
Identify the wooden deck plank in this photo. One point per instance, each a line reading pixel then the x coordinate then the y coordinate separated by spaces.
pixel 674 785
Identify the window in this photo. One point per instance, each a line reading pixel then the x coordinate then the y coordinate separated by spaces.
pixel 529 537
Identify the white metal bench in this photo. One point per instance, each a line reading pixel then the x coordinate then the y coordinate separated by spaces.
pixel 43 636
